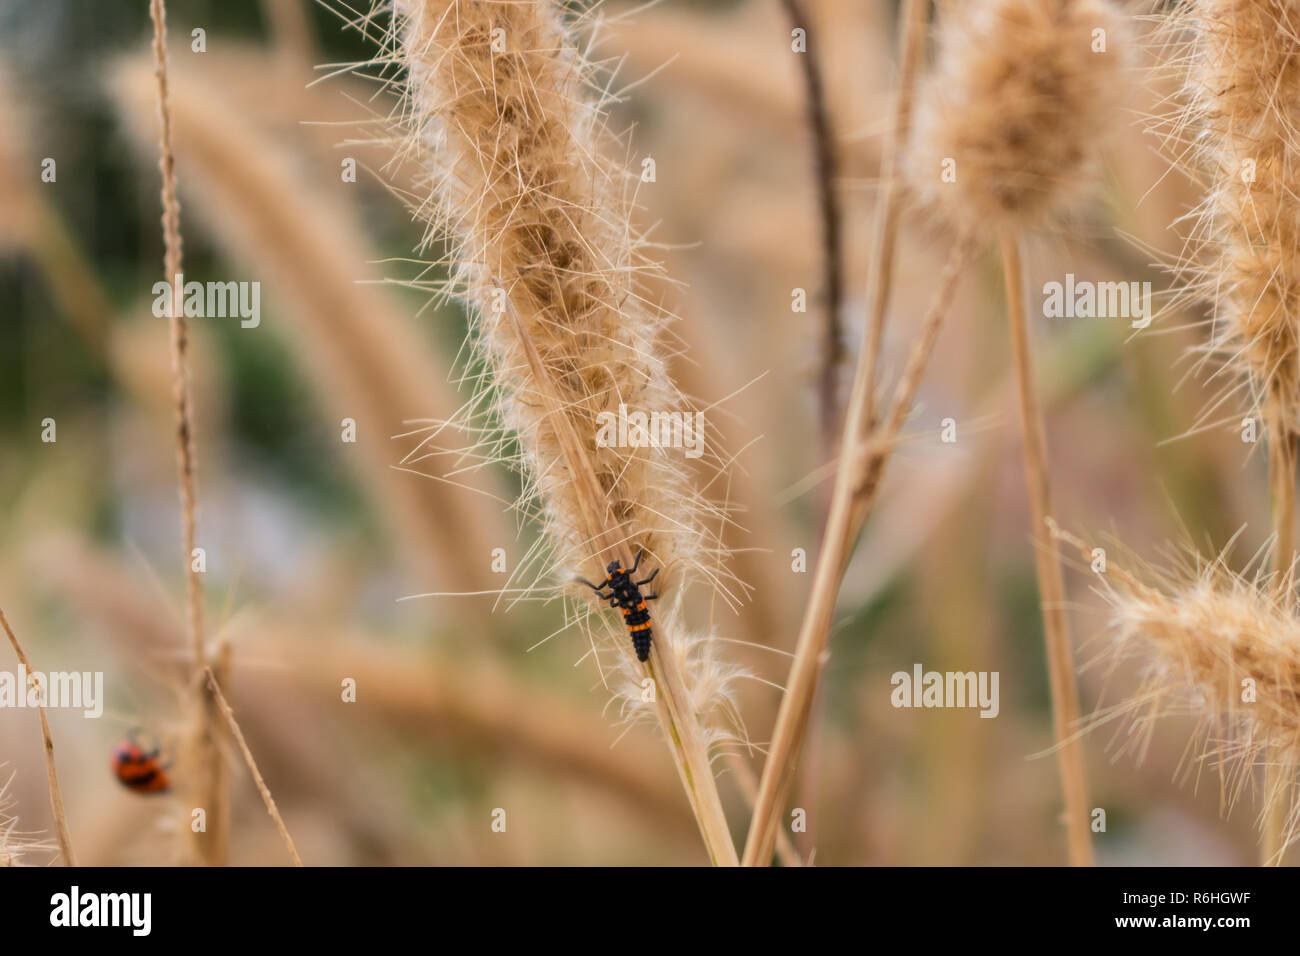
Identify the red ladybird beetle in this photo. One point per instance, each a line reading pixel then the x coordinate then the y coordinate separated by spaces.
pixel 139 770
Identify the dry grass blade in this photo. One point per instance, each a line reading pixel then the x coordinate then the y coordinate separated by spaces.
pixel 913 17
pixel 863 455
pixel 233 726
pixel 792 720
pixel 56 796
pixel 786 851
pixel 1047 564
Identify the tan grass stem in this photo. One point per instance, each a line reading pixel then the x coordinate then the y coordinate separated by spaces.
pixel 1282 449
pixel 51 772
pixel 232 725
pixel 171 223
pixel 200 757
pixel 1047 565
pixel 826 165
pixel 864 452
pixel 913 19
pixel 747 780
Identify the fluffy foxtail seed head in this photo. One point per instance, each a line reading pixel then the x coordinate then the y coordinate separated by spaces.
pixel 500 114
pixel 1020 97
pixel 1225 649
pixel 1236 128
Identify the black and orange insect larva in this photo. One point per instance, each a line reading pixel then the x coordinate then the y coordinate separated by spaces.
pixel 624 593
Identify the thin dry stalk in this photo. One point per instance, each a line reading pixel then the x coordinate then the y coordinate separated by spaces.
pixel 1282 449
pixel 913 20
pixel 864 451
pixel 51 773
pixel 786 851
pixel 1022 94
pixel 843 528
pixel 171 223
pixel 1047 565
pixel 219 779
pixel 823 137
pixel 201 757
pixel 232 725
pixel 914 16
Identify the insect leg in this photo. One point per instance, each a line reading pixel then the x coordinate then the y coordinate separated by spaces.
pixel 594 587
pixel 637 563
pixel 649 579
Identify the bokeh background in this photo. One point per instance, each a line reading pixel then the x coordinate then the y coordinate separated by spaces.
pixel 463 704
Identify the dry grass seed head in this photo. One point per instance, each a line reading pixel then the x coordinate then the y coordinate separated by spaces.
pixel 1233 128
pixel 1224 648
pixel 1018 101
pixel 500 110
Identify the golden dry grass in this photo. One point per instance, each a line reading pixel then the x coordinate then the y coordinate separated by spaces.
pixel 515 172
